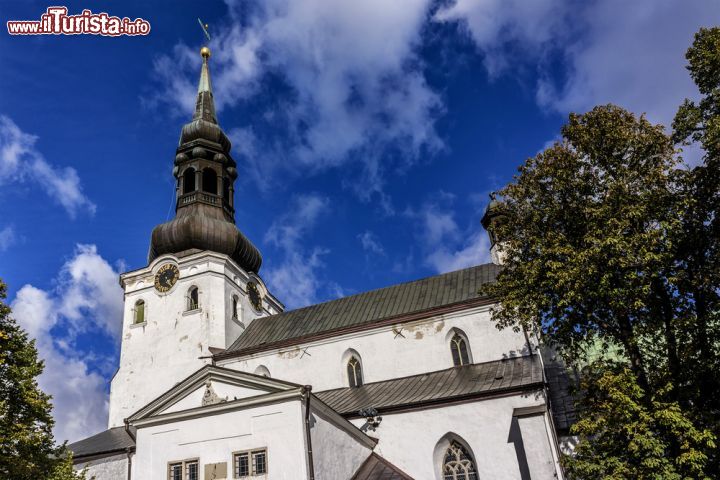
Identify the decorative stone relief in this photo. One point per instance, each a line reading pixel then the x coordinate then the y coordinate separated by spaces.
pixel 210 397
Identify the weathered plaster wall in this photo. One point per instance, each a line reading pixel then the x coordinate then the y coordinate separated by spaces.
pixel 409 439
pixel 157 354
pixel 108 468
pixel 214 438
pixel 419 347
pixel 336 454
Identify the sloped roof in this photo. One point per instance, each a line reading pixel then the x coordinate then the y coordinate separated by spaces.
pixel 455 383
pixel 364 309
pixel 114 440
pixel 377 468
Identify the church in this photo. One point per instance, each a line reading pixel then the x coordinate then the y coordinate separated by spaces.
pixel 217 381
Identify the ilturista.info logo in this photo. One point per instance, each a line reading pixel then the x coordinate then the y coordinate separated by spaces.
pixel 56 21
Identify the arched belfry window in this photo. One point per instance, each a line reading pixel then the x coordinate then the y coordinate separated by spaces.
pixel 209 181
pixel 226 190
pixel 235 307
pixel 139 312
pixel 354 372
pixel 459 349
pixel 189 180
pixel 458 464
pixel 193 299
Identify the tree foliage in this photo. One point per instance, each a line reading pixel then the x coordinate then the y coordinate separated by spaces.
pixel 609 239
pixel 27 446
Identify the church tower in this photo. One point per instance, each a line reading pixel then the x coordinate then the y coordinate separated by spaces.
pixel 201 287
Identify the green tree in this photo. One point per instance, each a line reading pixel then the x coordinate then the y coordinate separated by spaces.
pixel 591 231
pixel 27 446
pixel 699 247
pixel 624 431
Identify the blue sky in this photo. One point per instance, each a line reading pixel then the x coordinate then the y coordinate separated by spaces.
pixel 368 136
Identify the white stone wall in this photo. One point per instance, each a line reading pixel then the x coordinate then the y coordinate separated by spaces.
pixel 214 438
pixel 421 346
pixel 409 440
pixel 108 468
pixel 165 349
pixel 336 454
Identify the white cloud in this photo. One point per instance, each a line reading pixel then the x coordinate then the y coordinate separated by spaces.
pixel 614 51
pixel 295 277
pixel 475 250
pixel 354 86
pixel 445 244
pixel 632 54
pixel 21 161
pixel 371 243
pixel 506 30
pixel 8 237
pixel 87 298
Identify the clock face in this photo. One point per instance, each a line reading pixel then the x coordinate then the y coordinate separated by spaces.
pixel 254 295
pixel 166 277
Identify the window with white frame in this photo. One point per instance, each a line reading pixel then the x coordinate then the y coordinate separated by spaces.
pixel 139 312
pixel 250 463
pixel 184 470
pixel 354 372
pixel 235 307
pixel 459 350
pixel 458 464
pixel 193 299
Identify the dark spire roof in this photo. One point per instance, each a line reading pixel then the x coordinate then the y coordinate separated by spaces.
pixel 205 173
pixel 205 106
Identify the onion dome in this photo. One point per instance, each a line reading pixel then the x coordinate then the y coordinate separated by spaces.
pixel 205 174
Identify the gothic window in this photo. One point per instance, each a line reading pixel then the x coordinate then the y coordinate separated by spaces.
pixel 185 470
pixel 139 312
pixel 459 350
pixel 235 308
pixel 209 181
pixel 458 464
pixel 250 463
pixel 189 180
pixel 354 371
pixel 193 302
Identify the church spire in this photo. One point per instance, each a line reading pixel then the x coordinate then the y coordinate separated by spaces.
pixel 205 175
pixel 205 105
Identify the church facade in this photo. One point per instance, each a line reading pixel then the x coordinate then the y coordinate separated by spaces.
pixel 217 381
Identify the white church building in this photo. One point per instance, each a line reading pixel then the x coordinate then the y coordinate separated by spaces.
pixel 217 381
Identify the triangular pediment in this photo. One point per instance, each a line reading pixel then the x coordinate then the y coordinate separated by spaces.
pixel 212 386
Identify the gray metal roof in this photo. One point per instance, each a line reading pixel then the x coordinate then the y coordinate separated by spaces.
pixel 110 441
pixel 366 308
pixel 377 468
pixel 455 383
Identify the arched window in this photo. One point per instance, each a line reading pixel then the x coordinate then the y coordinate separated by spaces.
pixel 139 312
pixel 458 464
pixel 189 180
pixel 226 190
pixel 263 371
pixel 209 180
pixel 459 350
pixel 235 308
pixel 354 372
pixel 193 301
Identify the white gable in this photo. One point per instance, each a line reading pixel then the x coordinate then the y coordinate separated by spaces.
pixel 212 386
pixel 213 392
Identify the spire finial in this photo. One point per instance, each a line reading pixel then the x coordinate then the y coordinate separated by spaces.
pixel 205 52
